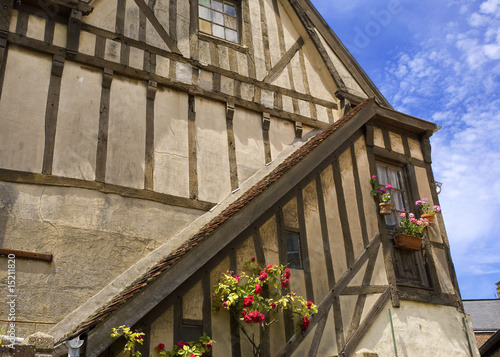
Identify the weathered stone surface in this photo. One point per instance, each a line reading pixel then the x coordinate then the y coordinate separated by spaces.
pixel 17 351
pixel 40 340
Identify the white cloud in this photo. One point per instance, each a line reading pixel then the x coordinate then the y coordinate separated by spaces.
pixel 456 83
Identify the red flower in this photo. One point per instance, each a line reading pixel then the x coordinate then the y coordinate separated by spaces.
pixel 309 304
pixel 248 301
pixel 273 305
pixel 286 274
pixel 217 309
pixel 181 344
pixel 256 316
pixel 237 277
pixel 192 355
pixel 285 283
pixel 243 313
pixel 138 338
pixel 258 288
pixel 208 345
pixel 263 275
pixel 270 267
pixel 305 323
pixel 253 259
pixel 294 294
pixel 160 347
pixel 247 319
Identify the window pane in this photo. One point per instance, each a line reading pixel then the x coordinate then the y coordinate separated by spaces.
pixel 382 175
pixel 218 18
pixel 217 5
pixel 218 31
pixel 292 242
pixel 204 2
pixel 399 201
pixel 231 22
pixel 395 177
pixel 231 35
pixel 293 261
pixel 204 13
pixel 205 26
pixel 230 10
pixel 390 221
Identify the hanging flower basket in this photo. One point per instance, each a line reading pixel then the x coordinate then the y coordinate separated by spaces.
pixel 385 208
pixel 407 242
pixel 428 216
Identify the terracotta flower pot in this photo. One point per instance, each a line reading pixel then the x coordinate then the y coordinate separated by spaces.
pixel 385 208
pixel 429 216
pixel 407 242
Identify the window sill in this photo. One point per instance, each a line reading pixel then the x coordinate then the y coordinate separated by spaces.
pixel 221 41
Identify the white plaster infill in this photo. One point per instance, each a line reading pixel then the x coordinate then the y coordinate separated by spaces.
pixel 103 297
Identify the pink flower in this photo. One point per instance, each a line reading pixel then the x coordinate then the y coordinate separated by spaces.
pixel 258 288
pixel 374 176
pixel 437 208
pixel 309 304
pixel 411 215
pixel 263 275
pixel 389 187
pixel 402 214
pixel 224 304
pixel 285 283
pixel 305 323
pixel 237 277
pixel 382 191
pixel 418 203
pixel 208 345
pixel 294 294
pixel 160 347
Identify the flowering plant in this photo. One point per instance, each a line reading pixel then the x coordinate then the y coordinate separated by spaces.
pixel 187 349
pixel 256 298
pixel 131 337
pixel 412 226
pixel 381 193
pixel 426 207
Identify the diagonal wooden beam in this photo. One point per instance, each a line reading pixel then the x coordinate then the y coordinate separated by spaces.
pixel 158 27
pixel 309 27
pixel 282 63
pixel 318 334
pixel 332 296
pixel 367 322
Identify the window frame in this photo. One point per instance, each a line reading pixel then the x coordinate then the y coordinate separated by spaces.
pixel 295 232
pixel 405 261
pixel 238 18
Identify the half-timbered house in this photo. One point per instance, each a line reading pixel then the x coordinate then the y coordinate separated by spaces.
pixel 148 146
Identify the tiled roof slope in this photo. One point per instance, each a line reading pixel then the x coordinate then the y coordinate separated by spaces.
pixel 485 314
pixel 210 227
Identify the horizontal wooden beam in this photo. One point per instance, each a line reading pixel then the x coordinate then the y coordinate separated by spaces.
pixel 397 157
pixel 50 180
pixel 26 255
pixel 358 290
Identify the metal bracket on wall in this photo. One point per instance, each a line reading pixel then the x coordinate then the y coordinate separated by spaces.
pixel 266 121
pixel 25 255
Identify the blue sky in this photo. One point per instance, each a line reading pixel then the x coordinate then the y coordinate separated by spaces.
pixel 440 61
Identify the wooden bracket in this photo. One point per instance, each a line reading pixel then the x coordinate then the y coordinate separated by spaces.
pixel 26 255
pixel 57 65
pixel 107 77
pixel 298 129
pixel 151 91
pixel 229 111
pixel 266 121
pixel 74 26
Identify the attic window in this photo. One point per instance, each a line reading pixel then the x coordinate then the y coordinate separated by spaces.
pixel 219 18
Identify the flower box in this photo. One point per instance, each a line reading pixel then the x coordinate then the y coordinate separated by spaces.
pixel 428 216
pixel 407 242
